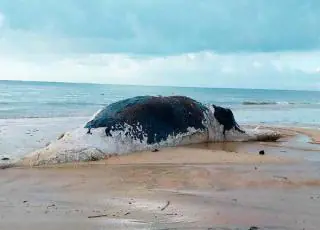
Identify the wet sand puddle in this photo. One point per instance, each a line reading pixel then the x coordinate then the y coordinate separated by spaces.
pixel 298 146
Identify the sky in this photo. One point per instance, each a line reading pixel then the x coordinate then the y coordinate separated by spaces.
pixel 203 43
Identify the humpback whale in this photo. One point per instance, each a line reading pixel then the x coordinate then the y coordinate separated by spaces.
pixel 145 123
pixel 158 117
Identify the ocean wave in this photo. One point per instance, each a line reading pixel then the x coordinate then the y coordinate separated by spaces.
pixel 276 103
pixel 51 103
pixel 70 103
pixel 73 103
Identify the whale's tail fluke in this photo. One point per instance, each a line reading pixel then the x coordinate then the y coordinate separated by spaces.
pixel 226 118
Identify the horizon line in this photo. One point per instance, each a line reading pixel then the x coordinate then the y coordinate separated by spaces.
pixel 173 86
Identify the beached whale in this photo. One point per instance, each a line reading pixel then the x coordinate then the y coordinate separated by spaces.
pixel 144 123
pixel 157 118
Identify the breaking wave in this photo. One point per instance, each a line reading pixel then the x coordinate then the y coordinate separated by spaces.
pixel 77 145
pixel 275 103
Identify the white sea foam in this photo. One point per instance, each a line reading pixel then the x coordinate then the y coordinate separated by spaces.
pixel 77 145
pixel 270 103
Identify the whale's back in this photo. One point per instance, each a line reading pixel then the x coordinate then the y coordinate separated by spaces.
pixel 154 117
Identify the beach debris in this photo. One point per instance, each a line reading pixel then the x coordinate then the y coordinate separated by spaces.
pixel 261 152
pixel 164 207
pixel 253 228
pixel 61 136
pixel 5 158
pixel 172 214
pixel 281 177
pixel 97 216
pixel 255 168
pixel 51 206
pixel 106 215
pixel 155 150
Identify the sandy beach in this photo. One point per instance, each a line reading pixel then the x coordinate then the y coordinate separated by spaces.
pixel 204 186
pixel 160 115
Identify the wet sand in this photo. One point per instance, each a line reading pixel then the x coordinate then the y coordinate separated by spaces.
pixel 21 136
pixel 207 186
pixel 136 196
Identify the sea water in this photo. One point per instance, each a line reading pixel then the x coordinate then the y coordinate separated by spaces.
pixel 250 106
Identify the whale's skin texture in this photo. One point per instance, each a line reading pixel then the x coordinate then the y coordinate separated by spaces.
pixel 158 117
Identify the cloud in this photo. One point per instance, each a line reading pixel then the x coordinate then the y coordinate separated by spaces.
pixel 1 20
pixel 168 27
pixel 208 43
pixel 202 69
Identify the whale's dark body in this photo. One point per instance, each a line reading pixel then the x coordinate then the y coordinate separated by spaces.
pixel 157 117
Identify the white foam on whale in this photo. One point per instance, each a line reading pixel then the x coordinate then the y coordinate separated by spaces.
pixel 77 145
